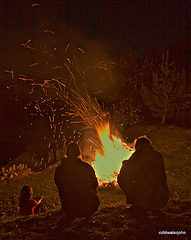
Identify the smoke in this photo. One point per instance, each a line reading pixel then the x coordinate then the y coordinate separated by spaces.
pixel 51 28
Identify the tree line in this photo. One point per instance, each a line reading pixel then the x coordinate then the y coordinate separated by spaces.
pixel 157 87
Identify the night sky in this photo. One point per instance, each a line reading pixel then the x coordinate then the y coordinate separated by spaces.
pixel 140 25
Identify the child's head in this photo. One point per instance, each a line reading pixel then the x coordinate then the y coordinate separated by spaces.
pixel 26 192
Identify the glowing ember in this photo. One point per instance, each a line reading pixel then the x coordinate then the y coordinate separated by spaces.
pixel 114 151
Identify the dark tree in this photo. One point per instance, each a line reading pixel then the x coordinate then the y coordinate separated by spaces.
pixel 167 86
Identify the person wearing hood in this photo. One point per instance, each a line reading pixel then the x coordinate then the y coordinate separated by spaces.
pixel 143 179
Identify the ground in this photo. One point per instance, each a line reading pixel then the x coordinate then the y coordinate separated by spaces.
pixel 112 220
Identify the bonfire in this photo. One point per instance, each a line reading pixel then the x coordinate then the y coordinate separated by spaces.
pixel 72 90
pixel 113 151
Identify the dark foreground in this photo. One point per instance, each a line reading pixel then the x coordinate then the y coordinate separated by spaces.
pixel 107 223
pixel 111 221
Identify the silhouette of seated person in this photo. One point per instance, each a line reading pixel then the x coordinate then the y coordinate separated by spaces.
pixel 28 205
pixel 77 185
pixel 142 178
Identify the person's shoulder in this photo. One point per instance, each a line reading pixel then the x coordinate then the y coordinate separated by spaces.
pixel 125 162
pixel 158 159
pixel 60 166
pixel 63 162
pixel 157 154
pixel 128 162
pixel 86 165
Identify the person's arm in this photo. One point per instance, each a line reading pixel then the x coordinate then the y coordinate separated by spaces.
pixel 121 175
pixel 162 169
pixel 157 167
pixel 125 174
pixel 39 201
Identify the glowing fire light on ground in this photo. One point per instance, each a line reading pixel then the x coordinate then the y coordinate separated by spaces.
pixel 109 160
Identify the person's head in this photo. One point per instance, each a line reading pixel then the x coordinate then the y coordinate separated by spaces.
pixel 26 192
pixel 140 141
pixel 73 150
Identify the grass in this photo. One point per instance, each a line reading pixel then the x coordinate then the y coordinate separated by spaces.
pixel 111 221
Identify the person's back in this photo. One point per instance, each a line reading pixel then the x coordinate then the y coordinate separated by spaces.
pixel 77 183
pixel 143 178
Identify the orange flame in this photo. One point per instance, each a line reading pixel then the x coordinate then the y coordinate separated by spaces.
pixel 108 161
